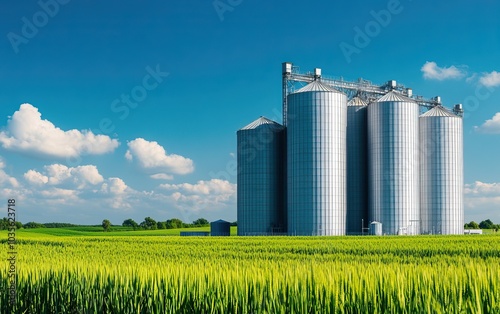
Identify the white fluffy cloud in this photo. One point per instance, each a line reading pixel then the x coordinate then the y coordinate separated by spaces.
pixel 5 179
pixel 151 155
pixel 62 194
pixel 62 186
pixel 35 177
pixel 202 195
pixel 482 201
pixel 27 132
pixel 491 79
pixel 432 71
pixel 79 177
pixel 82 195
pixel 482 189
pixel 214 186
pixel 491 125
pixel 118 194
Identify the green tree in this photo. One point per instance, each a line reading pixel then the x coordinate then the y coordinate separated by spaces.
pixel 33 225
pixel 19 225
pixel 486 224
pixel 201 222
pixel 149 224
pixel 130 223
pixel 174 223
pixel 471 225
pixel 161 225
pixel 106 224
pixel 59 225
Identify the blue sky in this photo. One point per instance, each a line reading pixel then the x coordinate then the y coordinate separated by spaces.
pixel 133 107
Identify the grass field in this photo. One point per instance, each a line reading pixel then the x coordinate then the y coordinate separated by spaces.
pixel 85 271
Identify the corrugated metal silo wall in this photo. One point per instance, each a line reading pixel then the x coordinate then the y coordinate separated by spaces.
pixel 393 140
pixel 441 155
pixel 220 228
pixel 260 181
pixel 316 168
pixel 357 169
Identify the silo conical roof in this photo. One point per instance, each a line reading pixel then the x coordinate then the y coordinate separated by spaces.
pixel 356 101
pixel 316 86
pixel 263 121
pixel 220 220
pixel 438 111
pixel 393 96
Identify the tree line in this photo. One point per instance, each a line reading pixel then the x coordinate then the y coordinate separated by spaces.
pixel 147 224
pixel 150 224
pixel 485 224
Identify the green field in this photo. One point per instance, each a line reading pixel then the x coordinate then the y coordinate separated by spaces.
pixel 75 270
pixel 115 231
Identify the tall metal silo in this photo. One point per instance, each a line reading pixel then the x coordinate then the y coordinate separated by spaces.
pixel 261 178
pixel 393 150
pixel 316 166
pixel 441 163
pixel 357 166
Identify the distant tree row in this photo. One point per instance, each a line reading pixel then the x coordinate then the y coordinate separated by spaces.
pixel 485 224
pixel 175 223
pixel 148 224
pixel 33 225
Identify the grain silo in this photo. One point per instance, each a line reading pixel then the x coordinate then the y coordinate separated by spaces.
pixel 357 166
pixel 316 166
pixel 220 228
pixel 261 186
pixel 393 150
pixel 441 163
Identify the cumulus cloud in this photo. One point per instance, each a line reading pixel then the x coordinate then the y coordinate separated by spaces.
pixel 482 201
pixel 432 71
pixel 482 189
pixel 491 125
pixel 27 132
pixel 491 79
pixel 59 185
pixel 216 186
pixel 57 174
pixel 118 193
pixel 202 195
pixel 151 155
pixel 35 177
pixel 5 179
pixel 58 193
